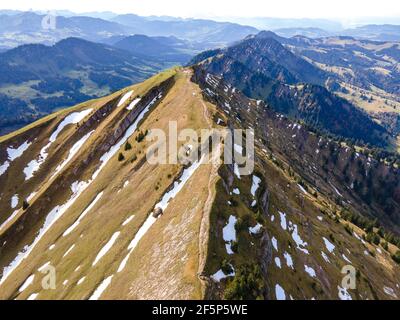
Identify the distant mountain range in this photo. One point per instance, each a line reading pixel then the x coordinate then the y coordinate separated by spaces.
pixel 163 48
pixel 386 32
pixel 18 28
pixel 26 27
pixel 33 83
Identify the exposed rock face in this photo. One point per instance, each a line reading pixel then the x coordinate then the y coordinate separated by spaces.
pixel 157 212
pixel 132 115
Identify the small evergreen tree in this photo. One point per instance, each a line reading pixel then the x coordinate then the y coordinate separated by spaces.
pixel 128 146
pixel 25 205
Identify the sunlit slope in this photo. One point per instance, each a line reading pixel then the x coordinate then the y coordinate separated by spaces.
pixel 284 231
pixel 77 193
pixel 86 210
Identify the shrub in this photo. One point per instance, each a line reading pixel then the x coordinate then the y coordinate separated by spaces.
pixel 396 257
pixel 128 146
pixel 348 229
pixel 226 267
pixel 234 246
pixel 372 237
pixel 141 136
pixel 25 205
pixel 242 223
pixel 248 284
pixel 121 157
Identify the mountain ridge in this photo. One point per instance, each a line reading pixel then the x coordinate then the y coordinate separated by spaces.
pixel 288 220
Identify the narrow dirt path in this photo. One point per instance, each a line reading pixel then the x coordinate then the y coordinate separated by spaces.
pixel 215 163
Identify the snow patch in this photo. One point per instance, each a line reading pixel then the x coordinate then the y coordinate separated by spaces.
pixel 163 204
pixel 289 260
pixel 229 234
pixel 256 229
pixel 274 243
pixel 238 148
pixel 133 104
pixel 302 189
pixel 14 201
pixel 283 220
pixel 27 283
pixel 69 250
pixel 236 170
pixel 73 151
pixel 255 185
pixel 4 167
pixel 14 153
pixel 31 196
pixel 325 257
pixel 236 191
pixel 128 220
pixel 33 296
pixel 10 218
pixel 219 275
pixel 390 292
pixel 278 262
pixel 178 185
pixel 343 294
pixel 101 288
pixel 296 237
pixel 52 217
pixel 346 259
pixel 279 293
pixel 83 214
pixel 310 271
pixel 329 245
pixel 124 98
pixel 106 248
pixel 43 267
pixel 73 118
pixel 35 164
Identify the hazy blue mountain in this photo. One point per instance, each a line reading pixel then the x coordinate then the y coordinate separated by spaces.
pixel 191 29
pixel 306 32
pixel 269 23
pixel 385 32
pixel 163 48
pixel 26 27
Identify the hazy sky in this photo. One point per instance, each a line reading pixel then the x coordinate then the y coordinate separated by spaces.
pixel 334 9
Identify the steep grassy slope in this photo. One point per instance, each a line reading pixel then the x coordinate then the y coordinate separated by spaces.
pixel 292 239
pixel 280 231
pixel 126 188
